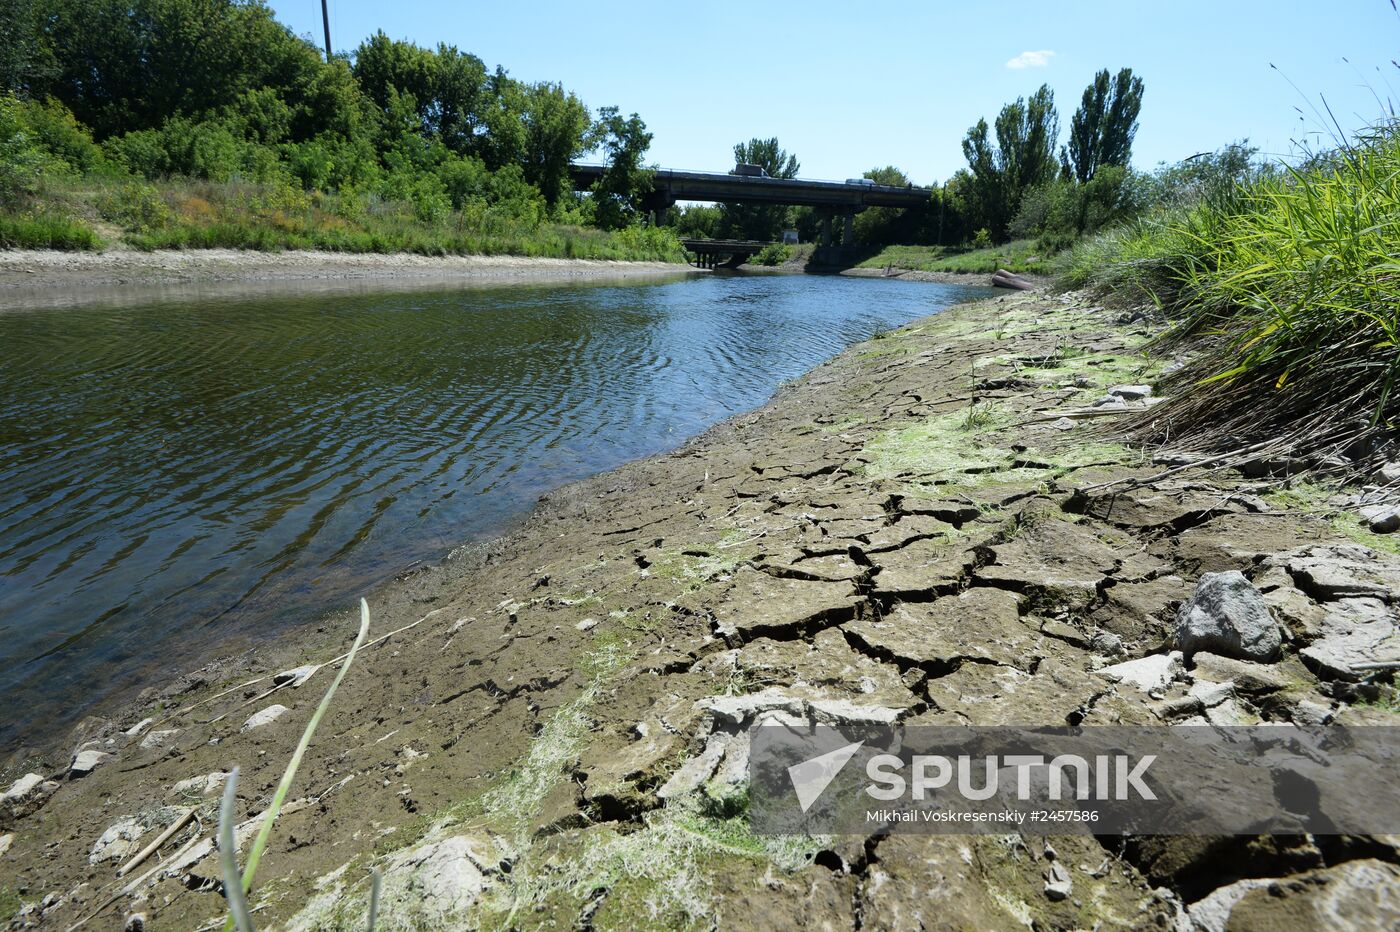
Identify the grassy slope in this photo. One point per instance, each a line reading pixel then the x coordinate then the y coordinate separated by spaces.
pixel 88 213
pixel 1015 256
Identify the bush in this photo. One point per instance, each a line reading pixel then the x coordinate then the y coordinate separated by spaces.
pixel 772 254
pixel 134 205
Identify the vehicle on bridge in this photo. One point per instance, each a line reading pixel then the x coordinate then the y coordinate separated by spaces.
pixel 751 171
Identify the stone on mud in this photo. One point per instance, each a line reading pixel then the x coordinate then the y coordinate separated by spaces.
pixel 1382 519
pixel 1354 632
pixel 434 884
pixel 1354 895
pixel 158 738
pixel 1059 884
pixel 265 717
pixel 85 762
pixel 296 676
pixel 1341 571
pixel 1131 392
pixel 202 786
pixel 1226 615
pixel 1149 674
pixel 118 842
pixel 1246 676
pixel 24 796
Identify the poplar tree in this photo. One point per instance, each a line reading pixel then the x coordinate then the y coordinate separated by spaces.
pixel 1102 129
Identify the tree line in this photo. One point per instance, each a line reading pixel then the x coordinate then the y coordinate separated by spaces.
pixel 219 90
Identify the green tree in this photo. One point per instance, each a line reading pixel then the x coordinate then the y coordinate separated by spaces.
pixel 759 221
pixel 883 226
pixel 624 141
pixel 1022 157
pixel 24 57
pixel 1101 131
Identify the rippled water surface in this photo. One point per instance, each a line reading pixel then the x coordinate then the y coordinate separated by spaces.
pixel 173 474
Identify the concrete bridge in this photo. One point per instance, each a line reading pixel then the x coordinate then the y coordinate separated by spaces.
pixel 828 197
pixel 730 253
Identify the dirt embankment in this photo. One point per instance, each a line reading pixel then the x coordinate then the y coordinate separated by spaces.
pixel 27 273
pixel 919 525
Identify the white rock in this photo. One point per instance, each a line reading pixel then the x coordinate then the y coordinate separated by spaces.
pixel 434 884
pixel 1390 472
pixel 1059 885
pixel 139 727
pixel 1354 631
pixel 845 712
pixel 119 842
pixel 87 761
pixel 1213 912
pixel 1311 714
pixel 295 676
pixel 1340 571
pixel 22 788
pixel 1226 615
pixel 1154 672
pixel 586 624
pixel 739 709
pixel 698 769
pixel 5 842
pixel 1212 694
pixel 158 738
pixel 1131 392
pixel 1382 519
pixel 264 717
pixel 201 786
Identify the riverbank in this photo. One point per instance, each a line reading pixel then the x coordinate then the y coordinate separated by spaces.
pixel 24 273
pixel 501 754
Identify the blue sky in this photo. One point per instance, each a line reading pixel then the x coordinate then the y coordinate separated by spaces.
pixel 848 87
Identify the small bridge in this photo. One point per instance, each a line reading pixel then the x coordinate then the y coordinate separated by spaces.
pixel 713 253
pixel 827 197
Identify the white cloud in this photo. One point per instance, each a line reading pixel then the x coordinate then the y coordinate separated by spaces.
pixel 1031 59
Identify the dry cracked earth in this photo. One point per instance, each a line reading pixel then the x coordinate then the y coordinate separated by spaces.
pixel 921 531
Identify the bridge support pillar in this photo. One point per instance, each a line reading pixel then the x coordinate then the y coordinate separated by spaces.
pixel 848 227
pixel 658 217
pixel 825 214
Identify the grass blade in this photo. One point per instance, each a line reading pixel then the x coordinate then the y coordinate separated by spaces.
pixel 265 830
pixel 228 857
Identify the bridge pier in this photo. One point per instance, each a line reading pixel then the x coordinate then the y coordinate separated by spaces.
pixel 848 227
pixel 658 217
pixel 825 214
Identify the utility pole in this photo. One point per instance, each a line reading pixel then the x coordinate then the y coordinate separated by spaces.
pixel 326 21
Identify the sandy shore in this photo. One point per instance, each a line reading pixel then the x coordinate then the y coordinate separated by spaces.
pixel 51 277
pixel 914 529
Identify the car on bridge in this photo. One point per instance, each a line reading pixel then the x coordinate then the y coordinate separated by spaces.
pixel 864 181
pixel 751 171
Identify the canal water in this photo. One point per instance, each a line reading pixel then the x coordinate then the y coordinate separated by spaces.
pixel 177 473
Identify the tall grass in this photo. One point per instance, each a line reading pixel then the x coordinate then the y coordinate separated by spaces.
pixel 1292 284
pixel 44 231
